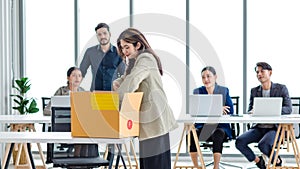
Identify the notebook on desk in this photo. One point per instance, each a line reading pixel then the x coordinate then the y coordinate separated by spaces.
pixel 203 105
pixel 267 106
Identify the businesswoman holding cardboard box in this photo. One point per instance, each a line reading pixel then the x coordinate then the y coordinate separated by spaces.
pixel 143 74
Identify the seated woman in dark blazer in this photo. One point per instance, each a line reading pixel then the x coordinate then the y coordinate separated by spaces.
pixel 221 132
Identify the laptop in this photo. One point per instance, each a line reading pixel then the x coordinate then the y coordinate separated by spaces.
pixel 267 106
pixel 60 101
pixel 204 105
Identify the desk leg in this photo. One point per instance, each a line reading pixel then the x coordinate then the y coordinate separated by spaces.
pixel 288 129
pixel 134 154
pixel 105 152
pixel 7 156
pixel 39 147
pixel 20 147
pixel 27 153
pixel 30 156
pixel 198 146
pixel 185 128
pixel 44 127
pixel 110 154
pixel 288 139
pixel 274 145
pixel 41 154
pixel 120 156
pixel 280 142
pixel 294 144
pixel 128 156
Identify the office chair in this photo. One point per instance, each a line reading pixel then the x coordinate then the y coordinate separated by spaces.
pixel 45 101
pixel 296 110
pixel 61 122
pixel 235 130
pixel 235 127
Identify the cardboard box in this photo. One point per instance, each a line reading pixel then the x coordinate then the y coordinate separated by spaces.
pixel 97 114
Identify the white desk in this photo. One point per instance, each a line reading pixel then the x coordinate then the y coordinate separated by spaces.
pixel 29 118
pixel 26 119
pixel 56 137
pixel 285 126
pixel 294 118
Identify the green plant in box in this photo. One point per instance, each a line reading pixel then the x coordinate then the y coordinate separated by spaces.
pixel 24 104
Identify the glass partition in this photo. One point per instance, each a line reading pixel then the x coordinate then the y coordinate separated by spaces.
pixel 49 45
pixel 274 37
pixel 216 37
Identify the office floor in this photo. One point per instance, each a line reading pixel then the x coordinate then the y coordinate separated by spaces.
pixel 231 156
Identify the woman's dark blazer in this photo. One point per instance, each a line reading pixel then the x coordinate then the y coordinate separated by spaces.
pixel 226 102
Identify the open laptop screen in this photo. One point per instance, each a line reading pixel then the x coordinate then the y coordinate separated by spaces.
pixel 267 106
pixel 205 105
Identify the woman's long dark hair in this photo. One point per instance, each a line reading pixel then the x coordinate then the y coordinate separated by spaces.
pixel 133 36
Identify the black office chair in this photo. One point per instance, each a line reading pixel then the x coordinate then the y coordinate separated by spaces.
pixel 61 122
pixel 235 130
pixel 45 101
pixel 235 127
pixel 296 110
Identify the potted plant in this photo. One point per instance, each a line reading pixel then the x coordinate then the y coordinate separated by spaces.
pixel 24 105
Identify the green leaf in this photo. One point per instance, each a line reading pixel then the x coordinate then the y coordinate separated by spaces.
pixel 32 104
pixel 16 108
pixel 17 88
pixel 17 101
pixel 18 96
pixel 20 109
pixel 25 102
pixel 24 79
pixel 33 107
pixel 33 110
pixel 23 85
pixel 20 83
pixel 26 88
